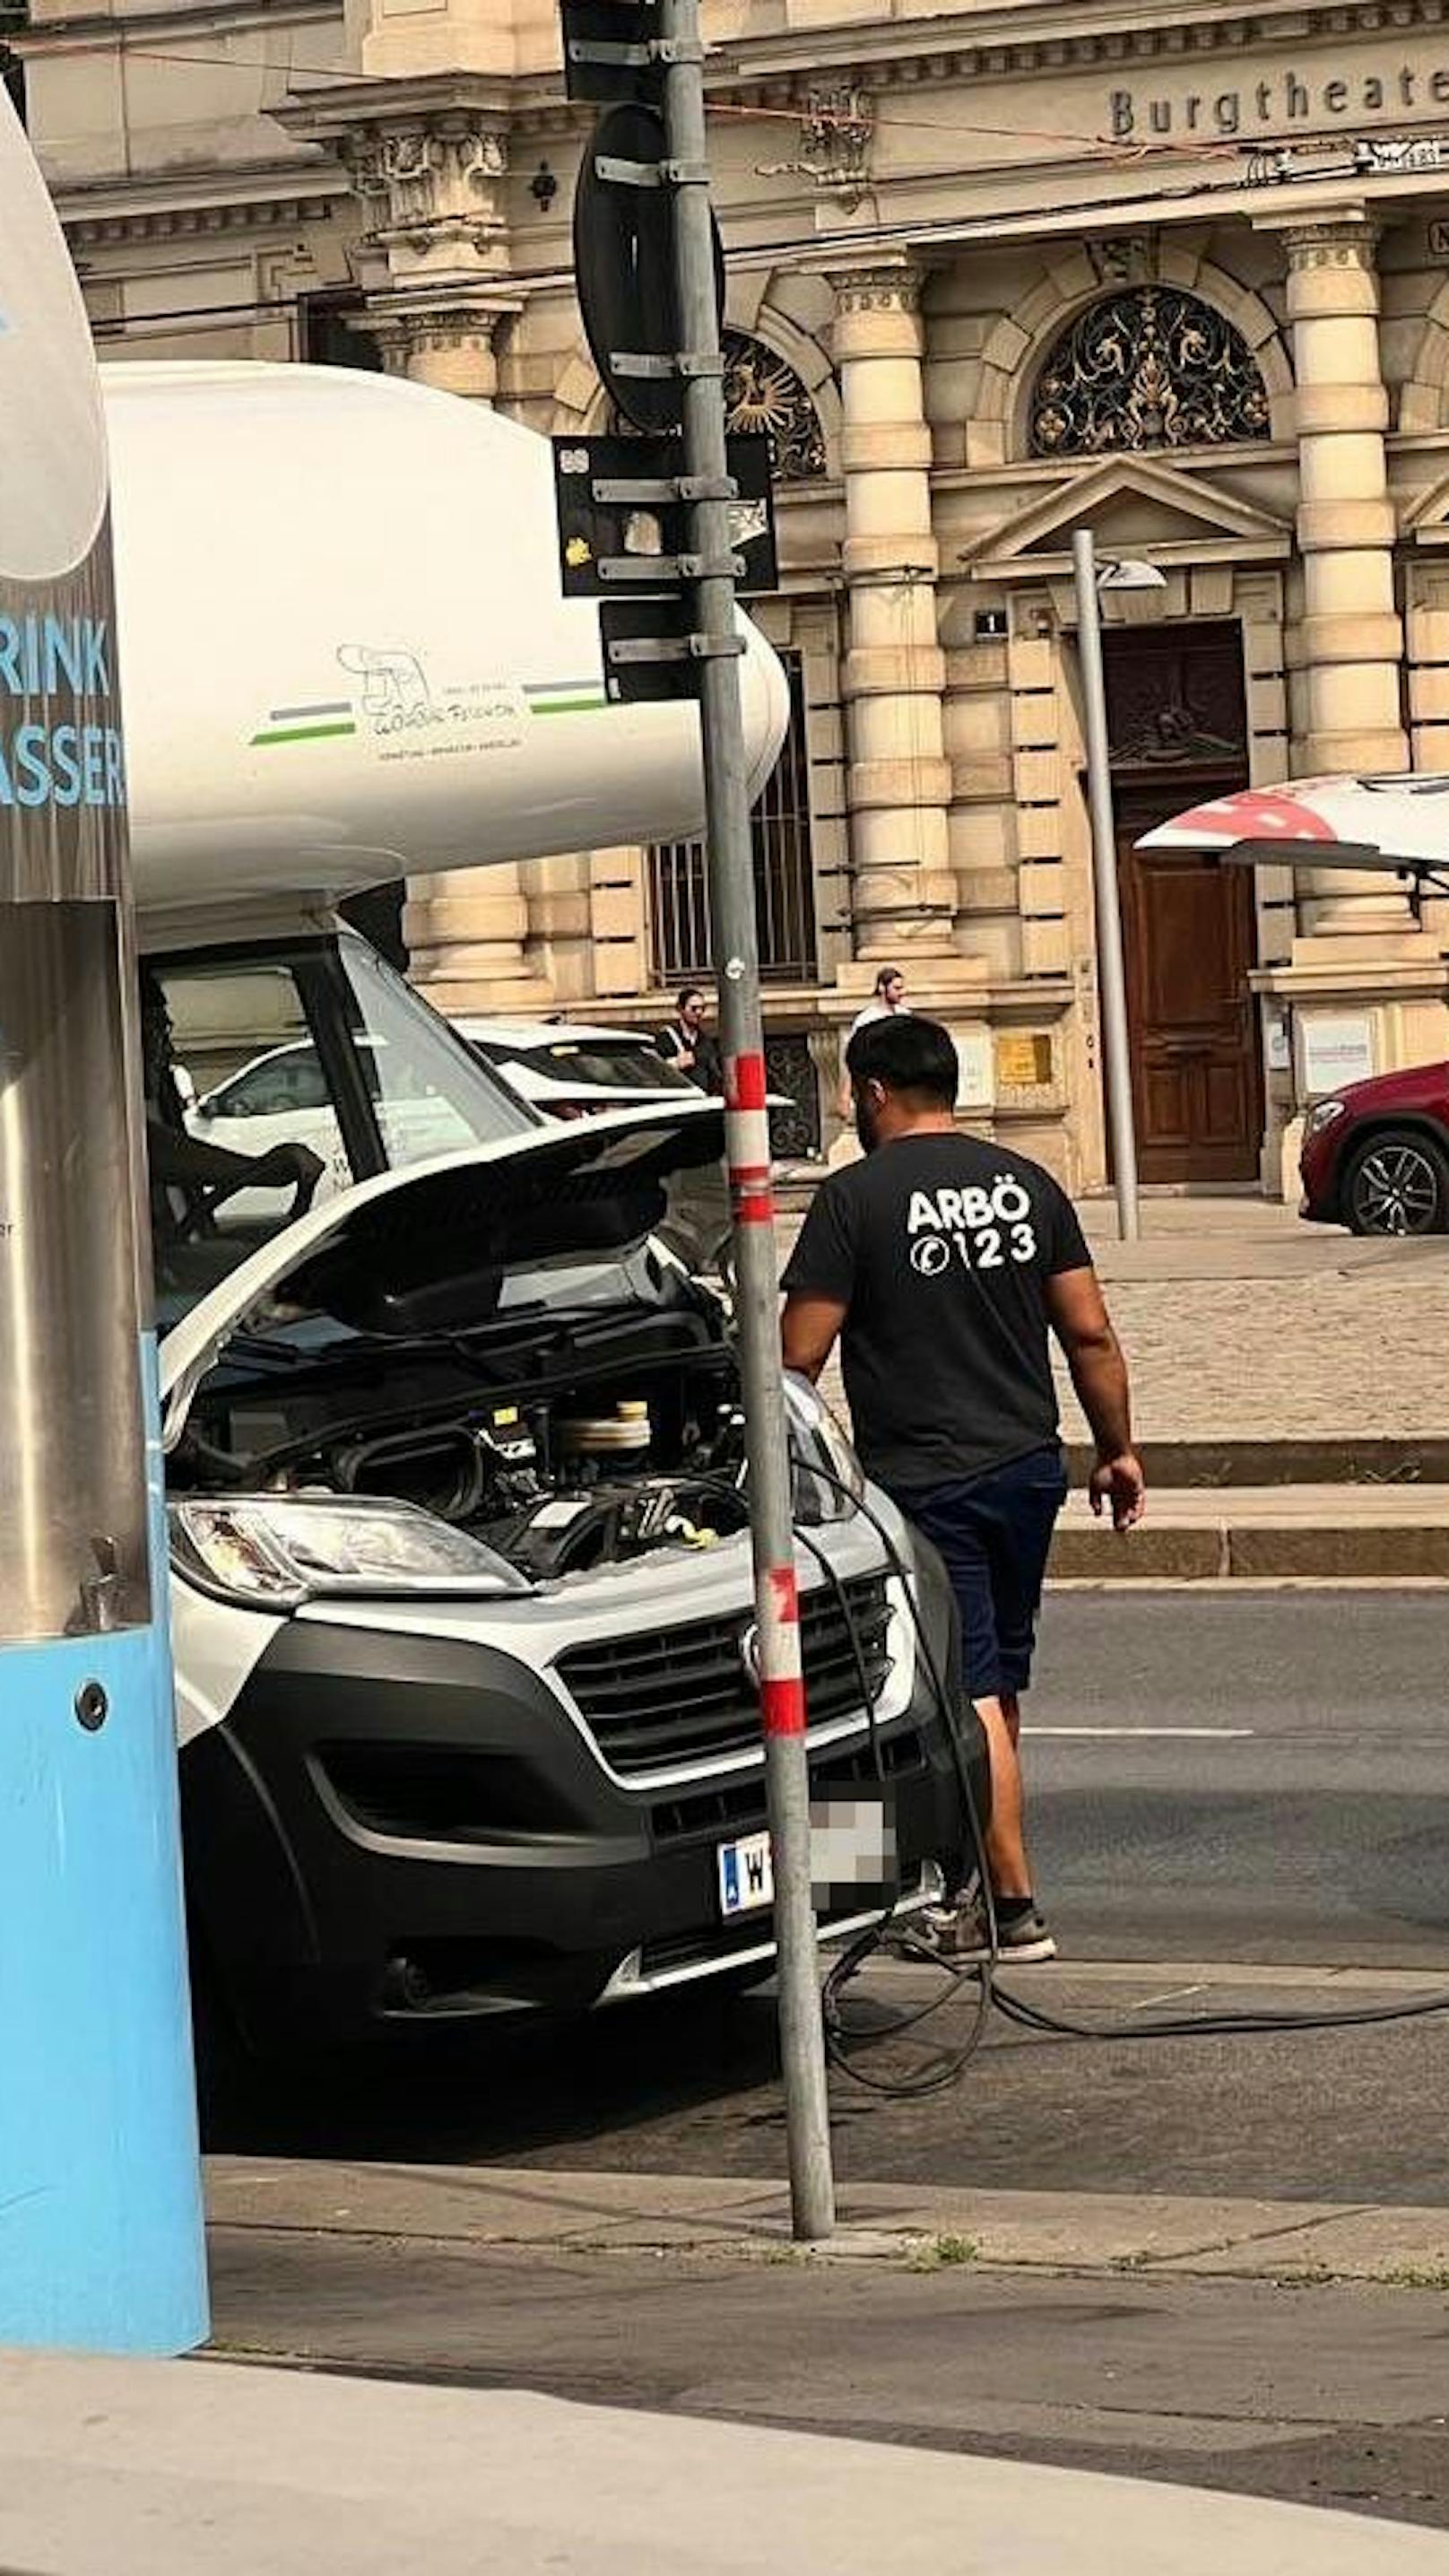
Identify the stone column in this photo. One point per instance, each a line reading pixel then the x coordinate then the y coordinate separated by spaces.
pixel 899 779
pixel 1349 645
pixel 1359 958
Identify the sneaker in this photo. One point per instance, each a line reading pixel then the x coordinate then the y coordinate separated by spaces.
pixel 960 1933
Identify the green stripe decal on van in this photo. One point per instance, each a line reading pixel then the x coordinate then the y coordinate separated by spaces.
pixel 564 697
pixel 302 733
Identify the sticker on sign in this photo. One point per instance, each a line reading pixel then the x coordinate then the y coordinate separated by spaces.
pixel 746 1875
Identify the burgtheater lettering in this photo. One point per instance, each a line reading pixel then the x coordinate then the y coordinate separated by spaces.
pixel 1269 106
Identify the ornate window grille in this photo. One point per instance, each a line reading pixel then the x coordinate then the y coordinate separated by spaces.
pixel 763 392
pixel 784 880
pixel 1148 367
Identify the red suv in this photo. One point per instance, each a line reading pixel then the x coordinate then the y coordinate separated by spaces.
pixel 1376 1154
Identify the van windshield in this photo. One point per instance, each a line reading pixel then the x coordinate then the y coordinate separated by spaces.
pixel 280 1074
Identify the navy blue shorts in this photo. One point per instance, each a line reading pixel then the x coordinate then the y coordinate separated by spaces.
pixel 993 1534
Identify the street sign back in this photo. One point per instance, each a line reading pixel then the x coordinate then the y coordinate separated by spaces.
pixel 663 629
pixel 606 50
pixel 624 267
pixel 607 514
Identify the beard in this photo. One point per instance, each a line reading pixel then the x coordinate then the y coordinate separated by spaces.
pixel 865 1126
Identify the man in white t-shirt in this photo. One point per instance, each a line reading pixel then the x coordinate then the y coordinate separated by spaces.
pixel 888 997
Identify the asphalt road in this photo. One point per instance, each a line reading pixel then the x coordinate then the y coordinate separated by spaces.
pixel 1320 1838
pixel 1298 1814
pixel 1244 1775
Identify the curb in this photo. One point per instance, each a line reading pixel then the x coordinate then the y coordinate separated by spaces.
pixel 1221 1548
pixel 1192 1465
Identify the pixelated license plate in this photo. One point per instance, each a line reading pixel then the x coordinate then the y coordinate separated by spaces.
pixel 746 1875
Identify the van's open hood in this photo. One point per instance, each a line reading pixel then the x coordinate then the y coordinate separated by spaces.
pixel 1406 817
pixel 428 1246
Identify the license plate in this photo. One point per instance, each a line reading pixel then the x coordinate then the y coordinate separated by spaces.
pixel 746 1875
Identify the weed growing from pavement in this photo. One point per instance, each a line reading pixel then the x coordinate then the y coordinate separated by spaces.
pixel 939 2253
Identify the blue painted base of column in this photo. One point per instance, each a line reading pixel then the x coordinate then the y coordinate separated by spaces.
pixel 101 2244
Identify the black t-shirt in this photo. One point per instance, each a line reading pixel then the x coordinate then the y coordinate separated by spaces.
pixel 676 1041
pixel 939 1247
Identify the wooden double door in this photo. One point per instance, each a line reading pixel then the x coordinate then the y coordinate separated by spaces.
pixel 1176 717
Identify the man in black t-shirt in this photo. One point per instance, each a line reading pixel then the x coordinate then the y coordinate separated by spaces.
pixel 944 1265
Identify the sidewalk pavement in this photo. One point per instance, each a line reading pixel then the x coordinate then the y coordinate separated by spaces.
pixel 1273 2348
pixel 1241 1322
pixel 158 2469
pixel 1266 1355
pixel 1287 2242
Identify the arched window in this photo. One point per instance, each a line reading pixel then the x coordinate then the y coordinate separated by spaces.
pixel 1148 367
pixel 763 392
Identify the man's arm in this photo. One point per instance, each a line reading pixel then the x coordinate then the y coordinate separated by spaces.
pixel 809 1329
pixel 1082 1325
pixel 177 1158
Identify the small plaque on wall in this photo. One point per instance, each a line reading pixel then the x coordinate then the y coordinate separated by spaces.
pixel 1023 1063
pixel 1338 1047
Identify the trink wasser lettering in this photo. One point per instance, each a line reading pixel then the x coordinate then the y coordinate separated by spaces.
pixel 53 750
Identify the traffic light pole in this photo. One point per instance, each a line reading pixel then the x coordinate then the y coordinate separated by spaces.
pixel 736 953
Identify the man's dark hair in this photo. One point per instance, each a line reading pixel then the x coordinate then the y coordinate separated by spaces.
pixel 908 1054
pixel 688 993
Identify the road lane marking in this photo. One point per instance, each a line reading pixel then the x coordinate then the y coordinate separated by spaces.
pixel 1204 1734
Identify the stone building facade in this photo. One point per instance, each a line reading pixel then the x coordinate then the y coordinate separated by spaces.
pixel 994 272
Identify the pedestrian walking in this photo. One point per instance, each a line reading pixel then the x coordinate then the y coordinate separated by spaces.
pixel 944 1264
pixel 888 998
pixel 686 1042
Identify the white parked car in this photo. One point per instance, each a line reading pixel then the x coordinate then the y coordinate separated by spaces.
pixel 283 1098
pixel 566 1070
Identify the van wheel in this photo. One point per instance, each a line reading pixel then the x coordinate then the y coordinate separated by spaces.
pixel 1397 1183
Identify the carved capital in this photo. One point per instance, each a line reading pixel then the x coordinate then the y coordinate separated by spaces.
pixel 430 182
pixel 1346 244
pixel 445 338
pixel 887 289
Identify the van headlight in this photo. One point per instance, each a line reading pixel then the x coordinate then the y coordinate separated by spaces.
pixel 276 1551
pixel 828 1478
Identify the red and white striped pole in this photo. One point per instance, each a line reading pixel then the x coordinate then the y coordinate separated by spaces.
pixel 737 966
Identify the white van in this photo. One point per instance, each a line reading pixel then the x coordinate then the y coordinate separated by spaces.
pixel 462 1600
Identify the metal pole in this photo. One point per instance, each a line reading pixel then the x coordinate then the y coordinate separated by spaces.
pixel 100 2186
pixel 1111 973
pixel 736 955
